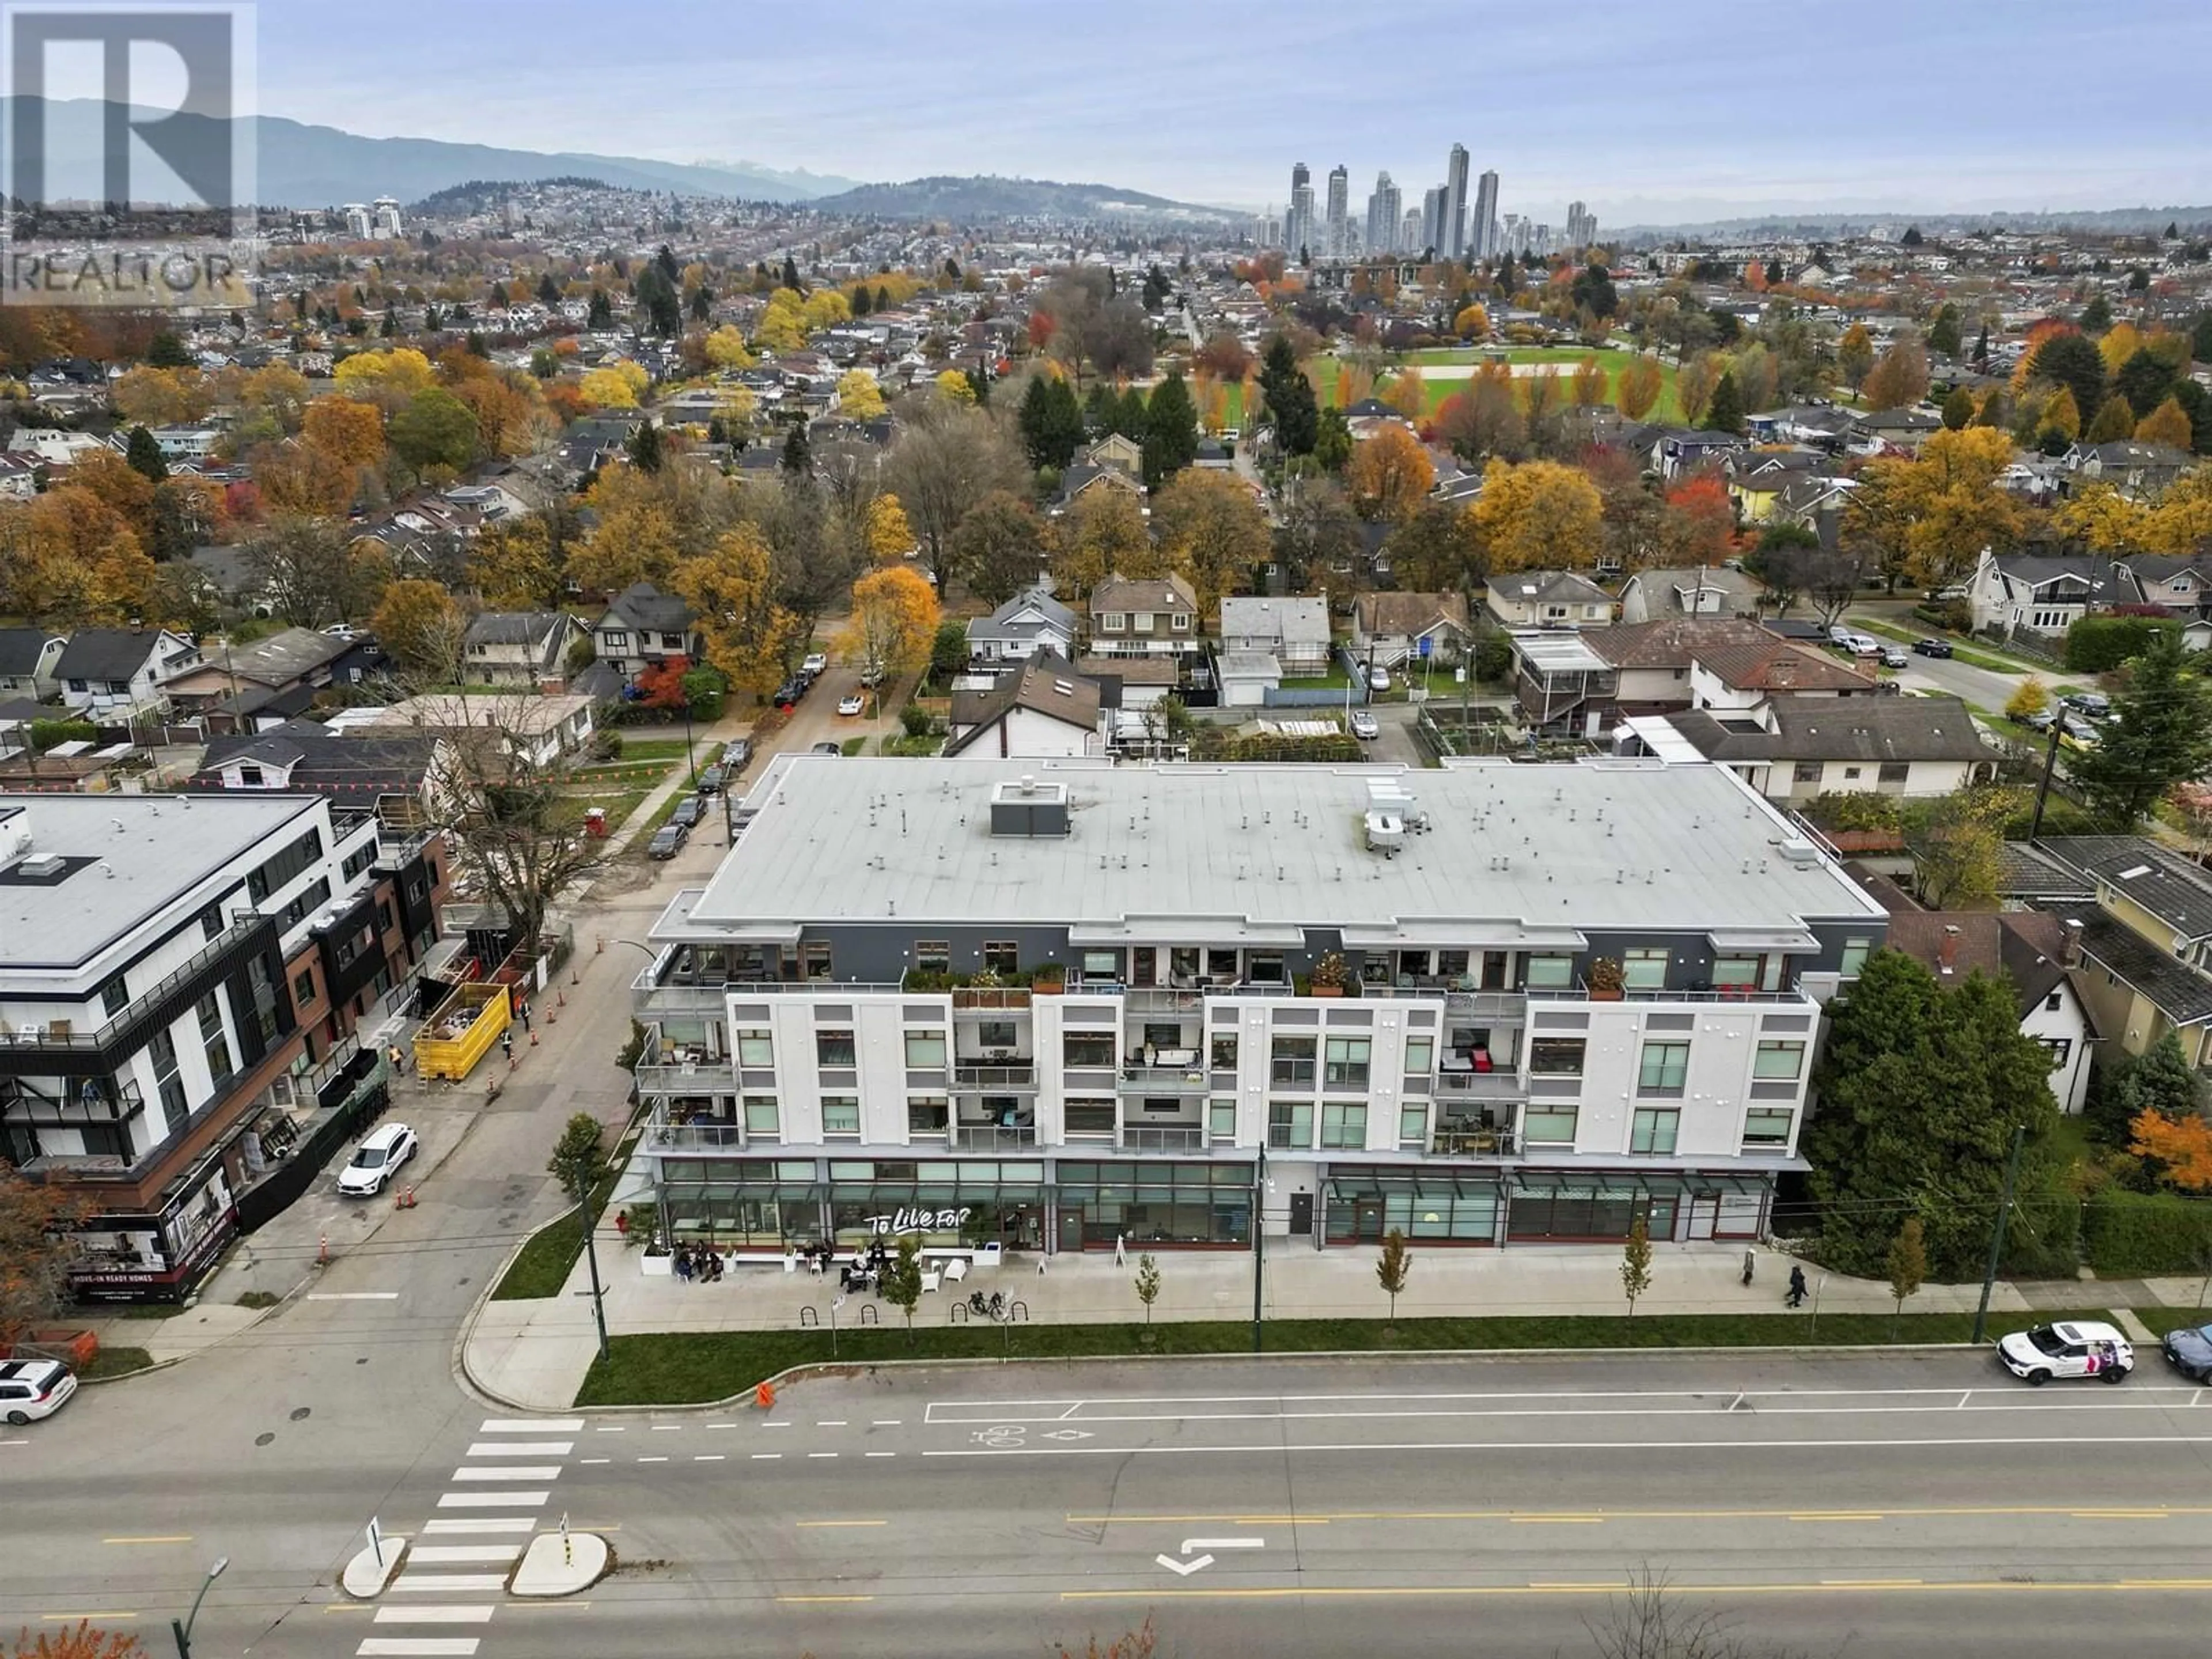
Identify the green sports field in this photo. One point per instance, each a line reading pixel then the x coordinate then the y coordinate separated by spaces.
pixel 1438 383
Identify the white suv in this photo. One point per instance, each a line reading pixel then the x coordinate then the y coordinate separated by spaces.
pixel 31 1389
pixel 376 1159
pixel 2072 1347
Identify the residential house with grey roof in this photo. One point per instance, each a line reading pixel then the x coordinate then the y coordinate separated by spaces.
pixel 642 628
pixel 521 647
pixel 1029 623
pixel 30 660
pixel 1547 598
pixel 116 675
pixel 1792 749
pixel 2146 940
pixel 1292 629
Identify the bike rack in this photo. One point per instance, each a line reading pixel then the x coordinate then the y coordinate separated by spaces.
pixel 957 1313
pixel 1018 1311
pixel 870 1315
pixel 809 1316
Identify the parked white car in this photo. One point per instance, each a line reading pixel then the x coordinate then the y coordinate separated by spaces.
pixel 376 1160
pixel 2072 1347
pixel 32 1389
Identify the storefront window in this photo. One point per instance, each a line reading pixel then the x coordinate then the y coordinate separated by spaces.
pixel 1364 1206
pixel 1154 1205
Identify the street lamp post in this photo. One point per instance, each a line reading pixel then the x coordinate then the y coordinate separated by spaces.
pixel 183 1631
pixel 1259 1241
pixel 592 1255
pixel 690 760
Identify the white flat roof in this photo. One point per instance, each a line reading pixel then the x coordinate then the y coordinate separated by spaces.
pixel 1631 844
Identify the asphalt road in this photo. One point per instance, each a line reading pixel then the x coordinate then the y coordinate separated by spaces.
pixel 1848 1504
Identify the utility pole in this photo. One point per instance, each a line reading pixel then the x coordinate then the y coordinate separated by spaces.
pixel 2043 784
pixel 592 1255
pixel 1259 1243
pixel 1997 1237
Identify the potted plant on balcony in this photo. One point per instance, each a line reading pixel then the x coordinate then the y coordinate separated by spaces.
pixel 1048 979
pixel 1330 976
pixel 986 979
pixel 1606 981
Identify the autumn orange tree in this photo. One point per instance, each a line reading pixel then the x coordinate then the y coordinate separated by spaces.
pixel 1586 384
pixel 731 586
pixel 1407 394
pixel 660 685
pixel 1389 474
pixel 1698 524
pixel 1899 378
pixel 36 1248
pixel 1213 530
pixel 894 621
pixel 1541 515
pixel 421 625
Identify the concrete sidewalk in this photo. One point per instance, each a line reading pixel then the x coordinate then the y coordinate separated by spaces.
pixel 535 1354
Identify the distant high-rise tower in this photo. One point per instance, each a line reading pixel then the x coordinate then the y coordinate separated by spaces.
pixel 1454 225
pixel 387 218
pixel 357 222
pixel 1582 225
pixel 1409 232
pixel 1432 220
pixel 1298 225
pixel 1384 213
pixel 1484 242
pixel 1339 209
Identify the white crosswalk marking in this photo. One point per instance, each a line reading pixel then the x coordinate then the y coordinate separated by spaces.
pixel 493 1500
pixel 475 1615
pixel 435 1555
pixel 485 1523
pixel 426 1647
pixel 511 1472
pixel 446 1583
pixel 521 1449
pixel 532 1426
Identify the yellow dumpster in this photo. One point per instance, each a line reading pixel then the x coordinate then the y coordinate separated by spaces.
pixel 462 1031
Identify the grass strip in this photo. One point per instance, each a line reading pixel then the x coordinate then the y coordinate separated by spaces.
pixel 694 1367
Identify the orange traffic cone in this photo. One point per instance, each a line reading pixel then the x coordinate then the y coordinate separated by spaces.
pixel 764 1395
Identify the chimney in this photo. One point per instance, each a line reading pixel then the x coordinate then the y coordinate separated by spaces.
pixel 2069 949
pixel 1947 956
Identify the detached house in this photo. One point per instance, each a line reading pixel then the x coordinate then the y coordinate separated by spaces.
pixel 1156 616
pixel 1025 625
pixel 1043 710
pixel 1791 748
pixel 2146 939
pixel 1292 630
pixel 267 681
pixel 114 674
pixel 30 661
pixel 2139 471
pixel 520 647
pixel 1389 629
pixel 2043 593
pixel 642 628
pixel 1712 590
pixel 1547 599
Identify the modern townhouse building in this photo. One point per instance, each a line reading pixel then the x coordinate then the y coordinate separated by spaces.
pixel 179 975
pixel 1058 1003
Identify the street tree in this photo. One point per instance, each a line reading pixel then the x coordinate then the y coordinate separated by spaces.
pixel 894 620
pixel 1148 1284
pixel 1899 378
pixel 82 1640
pixel 1636 1262
pixel 37 1246
pixel 578 1156
pixel 750 635
pixel 947 458
pixel 1907 1266
pixel 420 624
pixel 901 1281
pixel 2160 735
pixel 2029 699
pixel 1390 476
pixel 1541 515
pixel 1855 357
pixel 1392 1267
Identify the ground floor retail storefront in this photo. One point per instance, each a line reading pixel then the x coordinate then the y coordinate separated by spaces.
pixel 772 1205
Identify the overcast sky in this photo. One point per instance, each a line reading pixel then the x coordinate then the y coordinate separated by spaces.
pixel 1689 108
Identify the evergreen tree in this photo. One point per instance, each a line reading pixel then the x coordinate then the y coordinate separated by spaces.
pixel 1775 275
pixel 2113 421
pixel 1959 408
pixel 549 291
pixel 166 350
pixel 2072 360
pixel 798 460
pixel 144 456
pixel 702 303
pixel 495 297
pixel 2157 1081
pixel 666 260
pixel 2145 381
pixel 860 300
pixel 2097 315
pixel 645 448
pixel 883 298
pixel 1290 402
pixel 1332 440
pixel 2160 733
pixel 1982 348
pixel 390 326
pixel 1051 422
pixel 1943 336
pixel 791 274
pixel 433 319
pixel 1171 439
pixel 475 344
pixel 1725 413
pixel 2200 337
pixel 602 312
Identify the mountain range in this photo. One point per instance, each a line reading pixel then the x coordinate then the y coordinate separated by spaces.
pixel 981 198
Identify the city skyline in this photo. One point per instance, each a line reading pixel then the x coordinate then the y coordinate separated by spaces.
pixel 1739 114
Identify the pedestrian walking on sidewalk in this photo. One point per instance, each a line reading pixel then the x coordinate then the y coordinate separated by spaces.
pixel 1796 1286
pixel 1750 1261
pixel 398 1059
pixel 506 1044
pixel 1121 1249
pixel 526 1019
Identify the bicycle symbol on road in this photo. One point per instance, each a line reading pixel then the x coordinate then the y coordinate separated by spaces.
pixel 1002 1436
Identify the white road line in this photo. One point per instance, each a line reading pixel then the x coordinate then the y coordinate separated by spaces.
pixel 521 1449
pixel 767 1457
pixel 1594 1414
pixel 886 1423
pixel 707 1457
pixel 446 1584
pixel 511 1472
pixel 353 1296
pixel 652 1460
pixel 776 1425
pixel 458 1553
pixel 493 1500
pixel 667 1428
pixel 822 1454
pixel 15 1443
pixel 721 1426
pixel 475 1615
pixel 1006 1411
pixel 1278 1448
pixel 595 1459
pixel 450 1647
pixel 879 1454
pixel 613 1428
pixel 532 1426
pixel 831 1422
pixel 483 1525
pixel 1190 1545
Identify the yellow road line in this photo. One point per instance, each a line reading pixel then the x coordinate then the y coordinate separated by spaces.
pixel 843 1523
pixel 170 1538
pixel 809 1600
pixel 1557 1520
pixel 1838 1516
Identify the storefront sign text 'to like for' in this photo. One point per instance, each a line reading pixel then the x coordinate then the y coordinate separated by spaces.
pixel 917 1221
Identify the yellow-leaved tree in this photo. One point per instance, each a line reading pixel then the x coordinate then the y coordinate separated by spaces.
pixel 1642 380
pixel 2167 424
pixel 347 429
pixel 617 386
pixel 1473 323
pixel 1539 515
pixel 2182 521
pixel 1213 530
pixel 782 325
pixel 750 637
pixel 1103 535
pixel 725 348
pixel 894 621
pixel 1390 476
pixel 859 397
pixel 954 385
pixel 2101 519
pixel 890 537
pixel 402 369
pixel 419 623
